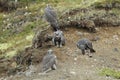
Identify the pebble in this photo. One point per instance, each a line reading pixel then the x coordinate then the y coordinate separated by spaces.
pixel 85 34
pixel 41 74
pixel 73 73
pixel 92 65
pixel 95 38
pixel 2 78
pixel 79 33
pixel 75 59
pixel 28 74
pixel 97 29
pixel 95 59
pixel 116 50
pixel 102 60
pixel 115 37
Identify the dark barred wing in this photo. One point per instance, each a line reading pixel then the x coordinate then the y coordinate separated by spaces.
pixel 51 11
pixel 49 17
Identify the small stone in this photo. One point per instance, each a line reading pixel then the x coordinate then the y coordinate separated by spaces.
pixel 115 37
pixel 28 74
pixel 75 63
pixel 73 73
pixel 4 15
pixel 2 78
pixel 75 59
pixel 69 17
pixel 79 33
pixel 26 7
pixel 95 59
pixel 116 50
pixel 95 38
pixel 92 66
pixel 102 61
pixel 97 29
pixel 42 73
pixel 85 34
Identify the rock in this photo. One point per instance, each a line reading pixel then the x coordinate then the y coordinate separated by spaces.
pixel 95 38
pixel 75 59
pixel 2 78
pixel 92 66
pixel 85 34
pixel 41 74
pixel 28 73
pixel 97 29
pixel 72 72
pixel 115 37
pixel 95 59
pixel 80 33
pixel 39 38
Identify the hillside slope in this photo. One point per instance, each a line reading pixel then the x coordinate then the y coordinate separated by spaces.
pixel 72 65
pixel 19 27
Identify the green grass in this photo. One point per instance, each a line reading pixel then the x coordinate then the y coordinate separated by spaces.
pixel 101 3
pixel 17 41
pixel 110 72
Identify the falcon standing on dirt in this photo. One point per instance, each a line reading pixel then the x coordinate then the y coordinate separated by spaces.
pixel 84 45
pixel 49 61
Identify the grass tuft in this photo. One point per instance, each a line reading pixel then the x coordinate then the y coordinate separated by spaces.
pixel 110 72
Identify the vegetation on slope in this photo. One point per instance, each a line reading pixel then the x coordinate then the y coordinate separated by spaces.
pixel 110 73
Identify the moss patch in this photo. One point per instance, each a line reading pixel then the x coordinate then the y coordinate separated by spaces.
pixel 110 72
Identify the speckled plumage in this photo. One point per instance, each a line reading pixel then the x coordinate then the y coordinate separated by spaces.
pixel 85 44
pixel 49 60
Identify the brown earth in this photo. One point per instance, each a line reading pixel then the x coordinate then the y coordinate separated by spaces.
pixel 72 65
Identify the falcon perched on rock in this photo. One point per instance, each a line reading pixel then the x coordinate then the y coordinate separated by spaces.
pixel 49 61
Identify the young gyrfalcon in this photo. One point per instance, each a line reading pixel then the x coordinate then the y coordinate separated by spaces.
pixel 49 61
pixel 85 44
